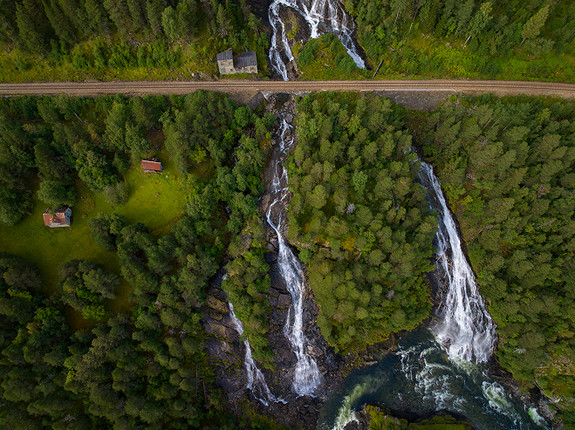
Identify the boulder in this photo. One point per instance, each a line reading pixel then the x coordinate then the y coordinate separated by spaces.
pixel 217 305
pixel 284 301
pixel 217 329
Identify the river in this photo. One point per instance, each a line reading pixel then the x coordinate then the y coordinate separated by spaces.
pixel 420 379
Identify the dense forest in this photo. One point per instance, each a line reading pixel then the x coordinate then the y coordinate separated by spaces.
pixel 146 367
pixel 513 40
pixel 360 220
pixel 110 334
pixel 100 39
pixel 507 167
pixel 178 39
pixel 473 38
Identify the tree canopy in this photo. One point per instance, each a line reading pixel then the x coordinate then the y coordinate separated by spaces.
pixel 359 218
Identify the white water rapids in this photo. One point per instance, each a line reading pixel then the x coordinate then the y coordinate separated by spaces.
pixel 464 326
pixel 322 16
pixel 256 382
pixel 306 373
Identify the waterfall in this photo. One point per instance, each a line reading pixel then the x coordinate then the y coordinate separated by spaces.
pixel 465 326
pixel 321 16
pixel 306 374
pixel 256 381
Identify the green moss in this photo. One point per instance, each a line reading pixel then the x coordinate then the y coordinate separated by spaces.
pixel 326 58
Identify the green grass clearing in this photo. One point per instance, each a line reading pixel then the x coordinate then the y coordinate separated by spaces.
pixel 156 200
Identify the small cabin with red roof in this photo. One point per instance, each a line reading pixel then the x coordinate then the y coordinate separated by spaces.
pixel 61 218
pixel 151 166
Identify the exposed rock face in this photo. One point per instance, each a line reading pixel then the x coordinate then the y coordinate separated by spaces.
pixel 226 347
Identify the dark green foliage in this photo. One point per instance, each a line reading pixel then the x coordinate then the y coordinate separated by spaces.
pixel 35 24
pixel 33 342
pixel 200 137
pixel 485 33
pixel 507 169
pixel 201 130
pixel 16 163
pixel 105 230
pixel 57 193
pixel 84 287
pixel 247 285
pixel 19 284
pixel 148 367
pixel 331 45
pixel 360 219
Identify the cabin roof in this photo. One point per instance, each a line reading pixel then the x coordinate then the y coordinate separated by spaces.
pixel 60 217
pixel 156 166
pixel 246 59
pixel 226 55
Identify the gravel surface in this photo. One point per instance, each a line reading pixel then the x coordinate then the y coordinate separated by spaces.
pixel 251 88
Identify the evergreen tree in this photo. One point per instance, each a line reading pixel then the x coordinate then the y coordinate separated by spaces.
pixel 33 28
pixel 532 27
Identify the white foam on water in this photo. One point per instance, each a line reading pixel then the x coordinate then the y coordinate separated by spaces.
pixel 465 326
pixel 535 417
pixel 328 15
pixel 256 381
pixel 498 399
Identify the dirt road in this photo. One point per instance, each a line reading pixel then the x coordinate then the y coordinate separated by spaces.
pixel 252 87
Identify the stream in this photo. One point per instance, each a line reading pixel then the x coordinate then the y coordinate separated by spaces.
pixel 321 16
pixel 306 376
pixel 256 382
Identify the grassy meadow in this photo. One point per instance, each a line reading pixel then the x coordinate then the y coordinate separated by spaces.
pixel 156 200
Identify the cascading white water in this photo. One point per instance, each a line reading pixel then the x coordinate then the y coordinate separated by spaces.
pixel 306 374
pixel 327 14
pixel 256 382
pixel 464 326
pixel 429 380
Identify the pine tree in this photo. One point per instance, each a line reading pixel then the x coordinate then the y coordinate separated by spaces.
pixel 169 23
pixel 479 20
pixel 120 15
pixel 8 27
pixel 154 9
pixel 137 14
pixel 59 21
pixel 463 14
pixel 33 28
pixel 97 17
pixel 76 12
pixel 532 28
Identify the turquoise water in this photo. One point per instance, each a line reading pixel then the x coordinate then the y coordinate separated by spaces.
pixel 419 379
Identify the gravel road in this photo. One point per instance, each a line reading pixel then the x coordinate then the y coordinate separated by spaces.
pixel 252 87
